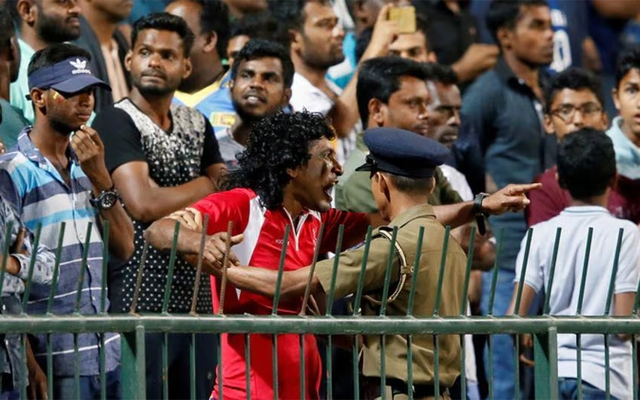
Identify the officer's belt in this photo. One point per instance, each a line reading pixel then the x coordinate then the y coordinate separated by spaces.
pixel 406 271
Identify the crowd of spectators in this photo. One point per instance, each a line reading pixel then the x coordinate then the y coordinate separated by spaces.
pixel 130 111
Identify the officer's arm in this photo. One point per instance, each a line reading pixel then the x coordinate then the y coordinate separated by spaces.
pixel 510 198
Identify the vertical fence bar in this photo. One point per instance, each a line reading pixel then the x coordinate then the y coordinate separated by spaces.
pixel 436 312
pixel 23 365
pixel 196 283
pixel 443 263
pixel 494 281
pixel 32 263
pixel 523 271
pixel 76 367
pixel 316 252
pixel 274 311
pixel 607 311
pixel 52 294
pixel 83 267
pixel 516 343
pixel 387 275
pixel 136 292
pixel 634 360
pixel 464 302
pixel 220 376
pixel 302 367
pixel 172 263
pixel 583 281
pixel 552 272
pixel 332 287
pixel 356 312
pixel 383 311
pixel 412 294
pixel 192 363
pixel 225 265
pixel 103 306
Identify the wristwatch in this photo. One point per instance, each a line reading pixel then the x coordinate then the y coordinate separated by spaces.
pixel 479 212
pixel 106 199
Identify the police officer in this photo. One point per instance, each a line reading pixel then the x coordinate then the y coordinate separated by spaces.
pixel 402 166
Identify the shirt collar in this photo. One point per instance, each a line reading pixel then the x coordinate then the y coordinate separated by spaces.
pixel 506 74
pixel 26 147
pixel 420 211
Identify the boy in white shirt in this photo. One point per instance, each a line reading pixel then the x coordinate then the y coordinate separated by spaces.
pixel 587 168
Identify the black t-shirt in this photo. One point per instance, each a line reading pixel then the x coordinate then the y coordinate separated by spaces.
pixel 174 158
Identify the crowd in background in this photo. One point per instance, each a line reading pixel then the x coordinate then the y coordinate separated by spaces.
pixel 178 87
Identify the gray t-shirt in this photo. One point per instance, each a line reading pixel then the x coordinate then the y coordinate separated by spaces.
pixel 229 149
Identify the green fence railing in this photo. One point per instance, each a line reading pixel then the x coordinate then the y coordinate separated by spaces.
pixel 544 328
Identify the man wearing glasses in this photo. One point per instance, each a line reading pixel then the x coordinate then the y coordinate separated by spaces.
pixel 573 101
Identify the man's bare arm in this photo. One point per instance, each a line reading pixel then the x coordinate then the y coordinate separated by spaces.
pixel 146 201
pixel 264 281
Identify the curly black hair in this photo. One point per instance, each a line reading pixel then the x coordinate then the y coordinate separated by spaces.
pixel 277 143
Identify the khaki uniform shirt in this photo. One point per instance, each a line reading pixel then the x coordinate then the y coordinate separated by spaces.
pixel 408 224
pixel 353 192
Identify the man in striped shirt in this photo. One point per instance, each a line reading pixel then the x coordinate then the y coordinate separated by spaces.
pixel 53 177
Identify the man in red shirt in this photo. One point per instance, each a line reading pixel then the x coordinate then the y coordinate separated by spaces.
pixel 285 179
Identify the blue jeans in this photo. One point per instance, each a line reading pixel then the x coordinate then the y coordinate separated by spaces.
pixel 568 390
pixel 65 387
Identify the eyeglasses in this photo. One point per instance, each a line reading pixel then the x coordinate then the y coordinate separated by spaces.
pixel 567 112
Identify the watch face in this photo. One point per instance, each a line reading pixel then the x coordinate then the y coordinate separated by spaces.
pixel 108 200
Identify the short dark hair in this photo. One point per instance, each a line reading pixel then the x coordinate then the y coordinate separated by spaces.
pixel 574 79
pixel 586 163
pixel 163 21
pixel 505 14
pixel 259 48
pixel 443 74
pixel 380 77
pixel 629 59
pixel 215 18
pixel 411 185
pixel 54 54
pixel 7 27
pixel 291 12
pixel 12 6
pixel 262 25
pixel 277 143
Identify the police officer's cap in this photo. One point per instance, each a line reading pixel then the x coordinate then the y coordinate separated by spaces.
pixel 403 153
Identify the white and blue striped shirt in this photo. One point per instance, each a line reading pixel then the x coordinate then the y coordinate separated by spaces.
pixel 41 196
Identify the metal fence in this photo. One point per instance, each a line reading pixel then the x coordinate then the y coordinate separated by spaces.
pixel 133 326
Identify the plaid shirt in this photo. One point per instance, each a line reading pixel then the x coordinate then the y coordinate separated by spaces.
pixel 41 196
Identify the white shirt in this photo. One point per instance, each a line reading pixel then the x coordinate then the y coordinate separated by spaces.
pixel 458 182
pixel 305 96
pixel 575 223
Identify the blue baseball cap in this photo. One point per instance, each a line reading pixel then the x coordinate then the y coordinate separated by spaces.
pixel 404 153
pixel 69 76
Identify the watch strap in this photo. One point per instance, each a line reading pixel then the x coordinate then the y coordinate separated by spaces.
pixel 479 213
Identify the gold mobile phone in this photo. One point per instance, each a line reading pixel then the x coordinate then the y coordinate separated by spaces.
pixel 405 16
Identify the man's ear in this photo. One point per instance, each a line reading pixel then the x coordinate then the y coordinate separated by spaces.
pixel 211 42
pixel 38 97
pixel 613 183
pixel 432 57
pixel 187 68
pixel 384 185
pixel 505 37
pixel 296 40
pixel 27 11
pixel 286 97
pixel 548 125
pixel 127 60
pixel 376 111
pixel 616 98
pixel 293 172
